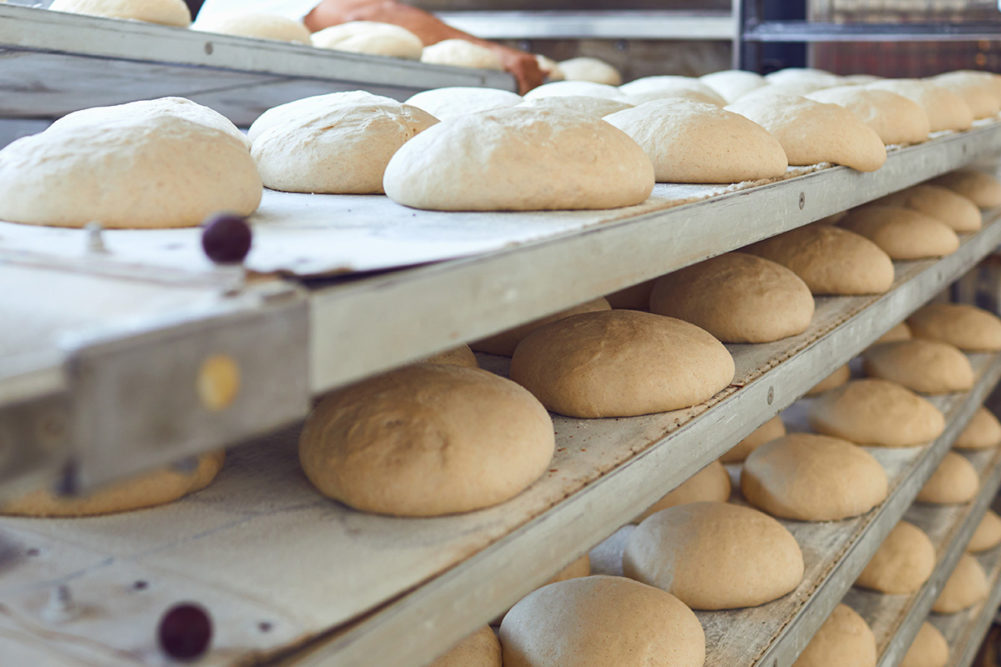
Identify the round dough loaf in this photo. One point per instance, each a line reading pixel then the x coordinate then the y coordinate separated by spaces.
pixel 599 621
pixel 965 587
pixel 150 489
pixel 738 298
pixel 812 132
pixel 979 92
pixel 924 366
pixel 150 164
pixel 260 26
pixel 714 555
pixel 771 429
pixel 339 143
pixel 946 206
pixel 164 12
pixel 590 69
pixel 636 297
pixel 899 331
pixel 733 83
pixel 577 89
pixel 983 431
pixel 597 107
pixel 982 189
pixel 876 412
pixel 967 327
pixel 929 649
pixel 840 376
pixel 987 535
pixel 902 564
pixel 550 68
pixel 445 103
pixel 578 568
pixel 799 75
pixel 657 87
pixel 844 639
pixel 457 356
pixel 902 233
pixel 505 342
pixel 812 478
pixel 954 482
pixel 426 440
pixel 520 159
pixel 372 38
pixel 830 260
pixel 480 649
pixel 712 483
pixel 461 53
pixel 895 118
pixel 691 142
pixel 945 109
pixel 621 363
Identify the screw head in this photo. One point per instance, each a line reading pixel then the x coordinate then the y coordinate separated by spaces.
pixel 185 631
pixel 226 238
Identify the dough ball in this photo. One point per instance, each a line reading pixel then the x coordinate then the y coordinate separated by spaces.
pixel 578 568
pixel 902 564
pixel 505 342
pixel 965 587
pixel 899 331
pixel 733 83
pixel 712 483
pixel 261 26
pixel 590 70
pixel 550 68
pixel 839 377
pixel 152 164
pixel 983 431
pixel 946 206
pixel 924 366
pixel 929 649
pixel 636 297
pixel 771 429
pixel 945 109
pixel 876 412
pixel 895 118
pixel 738 298
pixel 596 107
pixel 577 89
pixel 801 75
pixel 621 363
pixel 982 189
pixel 812 478
pixel 445 103
pixel 457 356
pixel 372 38
pixel 149 489
pixel 164 12
pixel 336 143
pixel 651 88
pixel 830 260
pixel 599 621
pixel 955 481
pixel 977 91
pixel 844 639
pixel 967 327
pixel 461 53
pixel 426 440
pixel 987 535
pixel 480 649
pixel 520 159
pixel 902 233
pixel 714 555
pixel 812 132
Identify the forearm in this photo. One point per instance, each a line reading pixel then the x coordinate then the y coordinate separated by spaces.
pixel 429 29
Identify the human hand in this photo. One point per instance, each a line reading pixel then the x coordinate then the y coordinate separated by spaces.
pixel 523 66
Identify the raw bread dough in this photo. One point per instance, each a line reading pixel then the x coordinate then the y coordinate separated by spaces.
pixel 597 107
pixel 733 83
pixel 577 89
pixel 876 412
pixel 799 75
pixel 945 109
pixel 811 477
pixel 372 38
pixel 899 331
pixel 966 586
pixel 152 164
pixel 590 69
pixel 164 12
pixel 979 92
pixel 145 490
pixel 983 431
pixel 461 53
pixel 457 356
pixel 520 159
pixel 946 206
pixel 955 481
pixel 982 189
pixel 444 103
pixel 811 132
pixel 895 118
pixel 840 376
pixel 902 564
pixel 771 429
pixel 260 26
pixel 714 555
pixel 691 142
pixel 738 298
pixel 339 143
pixel 505 342
pixel 987 535
pixel 924 366
pixel 621 363
pixel 480 649
pixel 712 483
pixel 929 649
pixel 844 639
pixel 550 68
pixel 967 327
pixel 830 260
pixel 578 568
pixel 636 297
pixel 902 233
pixel 426 440
pixel 656 87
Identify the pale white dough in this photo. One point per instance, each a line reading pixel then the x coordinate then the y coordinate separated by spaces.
pixel 164 12
pixel 733 83
pixel 372 38
pixel 461 53
pixel 444 103
pixel 261 26
pixel 655 87
pixel 577 89
pixel 590 69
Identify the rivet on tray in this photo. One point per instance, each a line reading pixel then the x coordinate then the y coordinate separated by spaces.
pixel 802 200
pixel 771 395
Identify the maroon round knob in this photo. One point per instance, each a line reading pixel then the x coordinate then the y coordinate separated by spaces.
pixel 226 238
pixel 185 631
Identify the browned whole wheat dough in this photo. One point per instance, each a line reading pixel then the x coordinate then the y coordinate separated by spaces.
pixel 967 327
pixel 710 483
pixel 505 342
pixel 844 639
pixel 924 366
pixel 771 429
pixel 903 562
